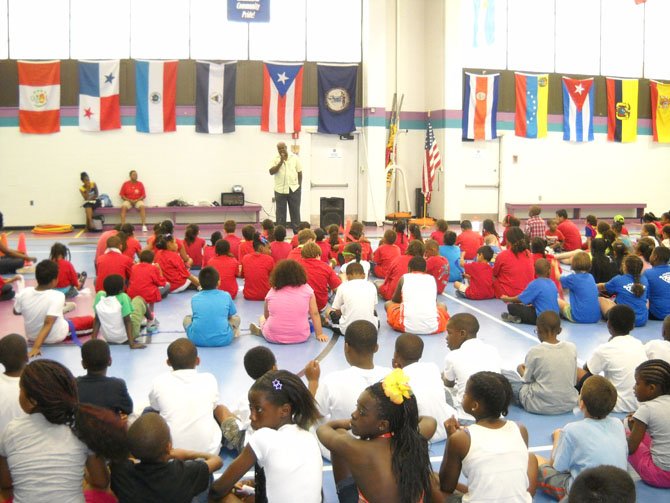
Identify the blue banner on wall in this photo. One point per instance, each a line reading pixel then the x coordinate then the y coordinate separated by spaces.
pixel 337 98
pixel 250 11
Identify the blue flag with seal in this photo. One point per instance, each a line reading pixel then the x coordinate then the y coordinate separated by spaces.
pixel 337 98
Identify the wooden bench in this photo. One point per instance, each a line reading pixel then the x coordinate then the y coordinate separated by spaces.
pixel 189 211
pixel 522 208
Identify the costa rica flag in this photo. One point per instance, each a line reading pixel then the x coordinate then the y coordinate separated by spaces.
pixel 480 106
pixel 282 97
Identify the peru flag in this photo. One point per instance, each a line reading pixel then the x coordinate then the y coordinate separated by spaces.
pixel 156 91
pixel 578 103
pixel 39 96
pixel 282 97
pixel 99 107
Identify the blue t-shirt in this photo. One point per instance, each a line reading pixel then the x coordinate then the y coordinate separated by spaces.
pixel 584 304
pixel 589 443
pixel 622 286
pixel 453 254
pixel 542 294
pixel 659 290
pixel 210 327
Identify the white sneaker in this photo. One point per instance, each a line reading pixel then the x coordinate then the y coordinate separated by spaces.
pixel 144 228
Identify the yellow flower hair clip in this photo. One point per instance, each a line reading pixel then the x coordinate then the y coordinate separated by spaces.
pixel 396 386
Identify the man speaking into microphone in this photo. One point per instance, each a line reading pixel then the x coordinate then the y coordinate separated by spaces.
pixel 287 171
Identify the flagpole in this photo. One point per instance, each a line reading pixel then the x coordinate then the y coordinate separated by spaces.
pixel 425 202
pixel 425 221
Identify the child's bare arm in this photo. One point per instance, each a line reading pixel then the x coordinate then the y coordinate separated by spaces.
pixel 97 474
pixel 224 484
pixel 333 438
pixel 456 449
pixel 507 298
pixel 532 473
pixel 637 431
pixel 427 427
pixel 213 461
pixel 312 373
pixel 96 327
pixel 42 335
pixel 397 295
pixel 5 476
pixel 316 320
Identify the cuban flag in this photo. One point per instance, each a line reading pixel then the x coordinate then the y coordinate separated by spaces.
pixel 156 93
pixel 99 107
pixel 39 96
pixel 532 103
pixel 578 102
pixel 282 97
pixel 215 97
pixel 480 105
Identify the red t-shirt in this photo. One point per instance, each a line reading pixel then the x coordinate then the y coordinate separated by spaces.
pixel 234 244
pixel 132 190
pixel 553 237
pixel 402 242
pixel 366 248
pixel 512 273
pixel 144 282
pixel 133 247
pixel 112 262
pixel 280 250
pixel 102 243
pixel 228 268
pixel 325 250
pixel 294 241
pixel 503 241
pixel 295 254
pixel 383 256
pixel 207 254
pixel 470 241
pixel 256 269
pixel 67 276
pixel 572 237
pixel 438 236
pixel 438 267
pixel 245 248
pixel 320 277
pixel 194 250
pixel 173 268
pixel 481 281
pixel 335 250
pixel 398 267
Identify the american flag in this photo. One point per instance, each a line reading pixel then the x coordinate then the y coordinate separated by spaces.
pixel 431 162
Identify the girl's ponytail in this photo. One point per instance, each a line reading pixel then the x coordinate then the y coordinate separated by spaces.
pixel 633 266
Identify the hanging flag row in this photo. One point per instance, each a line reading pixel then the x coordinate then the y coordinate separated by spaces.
pixel 156 93
pixel 480 103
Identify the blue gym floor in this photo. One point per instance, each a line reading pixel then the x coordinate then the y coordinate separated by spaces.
pixel 139 367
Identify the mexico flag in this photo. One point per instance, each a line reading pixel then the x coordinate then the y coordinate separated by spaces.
pixel 39 96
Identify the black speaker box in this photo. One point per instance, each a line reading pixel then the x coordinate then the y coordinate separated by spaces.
pixel 418 204
pixel 332 211
pixel 232 198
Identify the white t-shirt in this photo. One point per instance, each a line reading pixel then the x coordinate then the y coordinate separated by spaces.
pixel 186 399
pixel 658 349
pixel 473 356
pixel 109 313
pixel 419 295
pixel 655 413
pixel 364 264
pixel 292 462
pixel 617 360
pixel 35 305
pixel 427 386
pixel 357 300
pixel 9 400
pixel 46 460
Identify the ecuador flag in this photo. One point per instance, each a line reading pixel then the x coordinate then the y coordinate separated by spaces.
pixel 532 100
pixel 622 110
pixel 660 111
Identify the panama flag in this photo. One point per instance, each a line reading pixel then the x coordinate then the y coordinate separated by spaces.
pixel 480 105
pixel 532 102
pixel 156 92
pixel 578 102
pixel 39 96
pixel 215 97
pixel 99 108
pixel 282 97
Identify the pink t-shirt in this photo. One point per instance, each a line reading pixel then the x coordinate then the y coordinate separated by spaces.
pixel 289 309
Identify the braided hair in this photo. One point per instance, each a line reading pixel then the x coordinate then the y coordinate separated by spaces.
pixel 53 390
pixel 633 266
pixel 410 461
pixel 493 390
pixel 655 372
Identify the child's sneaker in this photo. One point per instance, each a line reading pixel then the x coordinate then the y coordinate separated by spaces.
pixel 152 326
pixel 510 318
pixel 463 296
pixel 82 279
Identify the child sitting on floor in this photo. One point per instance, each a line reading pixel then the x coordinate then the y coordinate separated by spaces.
pixel 554 237
pixel 479 275
pixel 69 282
pixel 113 261
pixel 302 238
pixel 452 253
pixel 549 372
pixel 132 246
pixel 355 299
pixel 469 241
pixel 357 235
pixel 649 439
pixel 385 253
pixel 402 240
pixel 194 245
pixel 279 247
pixel 13 357
pixel 660 348
pixel 247 244
pixel 159 472
pixel 631 289
pixel 351 254
pixel 320 276
pixel 227 266
pixel 596 440
pixel 441 226
pixel 209 251
pixel 214 321
pixel 229 227
pixel 172 265
pixel 323 244
pixel 267 230
pixel 147 281
pixel 335 241
pixel 436 265
pixel 302 226
pixel 256 270
pixel 95 387
pixel 659 283
pixel 116 315
pixel 539 296
pixel 583 306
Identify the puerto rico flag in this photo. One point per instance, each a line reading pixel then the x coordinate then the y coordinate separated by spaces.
pixel 215 97
pixel 282 97
pixel 532 102
pixel 39 96
pixel 156 92
pixel 578 103
pixel 99 107
pixel 480 105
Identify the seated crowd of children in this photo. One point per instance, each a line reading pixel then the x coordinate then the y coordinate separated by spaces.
pixel 372 422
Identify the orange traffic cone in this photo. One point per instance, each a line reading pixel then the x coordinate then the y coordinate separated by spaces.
pixel 22 248
pixel 3 240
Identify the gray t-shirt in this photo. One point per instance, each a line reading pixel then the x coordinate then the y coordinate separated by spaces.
pixel 655 413
pixel 551 372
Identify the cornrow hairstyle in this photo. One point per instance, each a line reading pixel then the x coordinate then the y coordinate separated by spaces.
pixel 410 462
pixel 283 387
pixel 53 390
pixel 191 232
pixel 655 372
pixel 633 266
pixel 493 390
pixel 59 250
pixel 517 240
pixel 489 226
